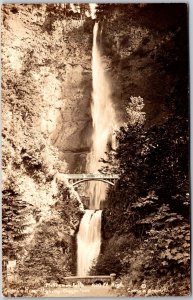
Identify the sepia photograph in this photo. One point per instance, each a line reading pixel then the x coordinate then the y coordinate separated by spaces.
pixel 95 150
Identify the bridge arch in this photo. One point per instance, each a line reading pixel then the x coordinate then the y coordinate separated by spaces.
pixel 93 179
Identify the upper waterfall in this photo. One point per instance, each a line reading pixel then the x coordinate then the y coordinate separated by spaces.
pixel 103 116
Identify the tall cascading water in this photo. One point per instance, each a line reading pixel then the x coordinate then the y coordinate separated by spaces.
pixel 103 116
pixel 89 240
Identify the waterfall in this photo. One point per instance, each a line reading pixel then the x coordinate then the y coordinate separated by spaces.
pixel 88 240
pixel 103 116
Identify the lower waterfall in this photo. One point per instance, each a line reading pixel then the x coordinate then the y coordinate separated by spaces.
pixel 88 240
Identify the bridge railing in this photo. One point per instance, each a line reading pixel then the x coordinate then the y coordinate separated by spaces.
pixel 91 279
pixel 90 176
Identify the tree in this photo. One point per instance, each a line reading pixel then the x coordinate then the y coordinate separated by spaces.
pixel 151 200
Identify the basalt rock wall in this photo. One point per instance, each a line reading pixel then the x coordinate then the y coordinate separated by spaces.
pixel 55 51
pixel 147 55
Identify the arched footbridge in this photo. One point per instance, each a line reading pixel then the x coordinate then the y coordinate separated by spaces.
pixel 75 179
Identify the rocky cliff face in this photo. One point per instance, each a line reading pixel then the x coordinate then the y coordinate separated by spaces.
pixel 145 46
pixel 35 132
pixel 55 53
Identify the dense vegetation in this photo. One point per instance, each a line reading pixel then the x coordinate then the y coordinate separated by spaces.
pixel 33 202
pixel 146 227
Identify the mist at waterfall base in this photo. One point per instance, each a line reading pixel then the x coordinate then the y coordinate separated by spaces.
pixel 104 121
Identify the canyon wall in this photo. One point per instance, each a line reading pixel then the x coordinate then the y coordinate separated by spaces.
pixel 146 48
pixel 54 53
pixel 40 84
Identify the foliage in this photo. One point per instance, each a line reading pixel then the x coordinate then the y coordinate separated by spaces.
pixel 112 258
pixel 19 288
pixel 134 111
pixel 47 253
pixel 29 163
pixel 14 214
pixel 152 198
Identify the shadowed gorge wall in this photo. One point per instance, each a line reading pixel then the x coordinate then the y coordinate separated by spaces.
pixel 148 55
